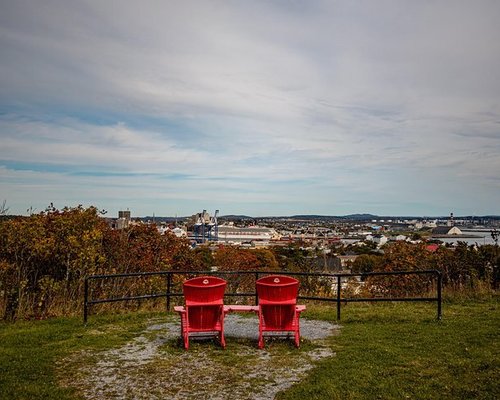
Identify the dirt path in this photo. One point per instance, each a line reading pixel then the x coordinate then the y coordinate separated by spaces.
pixel 154 366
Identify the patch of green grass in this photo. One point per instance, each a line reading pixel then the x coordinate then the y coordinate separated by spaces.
pixel 398 351
pixel 386 351
pixel 29 351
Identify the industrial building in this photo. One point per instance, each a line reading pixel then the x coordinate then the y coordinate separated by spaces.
pixel 230 233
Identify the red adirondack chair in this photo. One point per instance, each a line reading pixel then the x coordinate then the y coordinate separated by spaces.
pixel 204 308
pixel 278 309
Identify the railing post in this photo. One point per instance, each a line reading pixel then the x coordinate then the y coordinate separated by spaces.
pixel 439 299
pixel 169 288
pixel 85 300
pixel 338 297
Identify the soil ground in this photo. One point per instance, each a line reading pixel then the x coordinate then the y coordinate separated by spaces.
pixel 153 365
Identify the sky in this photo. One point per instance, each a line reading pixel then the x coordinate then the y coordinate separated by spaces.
pixel 251 107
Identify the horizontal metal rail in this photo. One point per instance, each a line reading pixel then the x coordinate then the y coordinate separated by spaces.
pixel 168 294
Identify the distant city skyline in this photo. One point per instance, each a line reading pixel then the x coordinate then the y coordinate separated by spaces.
pixel 262 108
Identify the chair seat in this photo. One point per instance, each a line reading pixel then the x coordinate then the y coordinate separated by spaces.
pixel 277 302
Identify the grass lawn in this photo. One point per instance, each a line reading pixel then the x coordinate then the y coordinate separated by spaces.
pixel 29 351
pixel 384 351
pixel 400 351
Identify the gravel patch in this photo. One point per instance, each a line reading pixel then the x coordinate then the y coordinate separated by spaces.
pixel 248 328
pixel 154 366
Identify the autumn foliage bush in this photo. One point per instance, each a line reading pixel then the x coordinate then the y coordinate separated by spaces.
pixel 42 256
pixel 229 258
pixel 464 268
pixel 44 259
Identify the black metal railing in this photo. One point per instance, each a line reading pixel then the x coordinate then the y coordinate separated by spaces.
pixel 337 278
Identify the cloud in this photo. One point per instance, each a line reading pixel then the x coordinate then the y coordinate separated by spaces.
pixel 307 107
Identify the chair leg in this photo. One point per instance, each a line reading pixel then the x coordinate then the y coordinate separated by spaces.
pixel 184 331
pixel 261 341
pixel 297 330
pixel 261 329
pixel 222 339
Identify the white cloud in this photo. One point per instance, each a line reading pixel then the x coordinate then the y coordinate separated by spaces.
pixel 252 99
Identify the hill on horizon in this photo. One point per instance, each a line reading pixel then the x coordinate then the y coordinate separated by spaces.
pixel 352 217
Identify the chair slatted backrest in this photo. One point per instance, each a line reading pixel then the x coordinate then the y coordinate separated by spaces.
pixel 277 289
pixel 204 297
pixel 277 299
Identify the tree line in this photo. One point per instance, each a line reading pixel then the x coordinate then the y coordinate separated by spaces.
pixel 45 257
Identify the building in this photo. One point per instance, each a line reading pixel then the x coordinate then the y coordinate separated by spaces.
pixel 379 239
pixel 179 232
pixel 446 231
pixel 122 222
pixel 399 238
pixel 432 247
pixel 229 233
pixel 124 215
